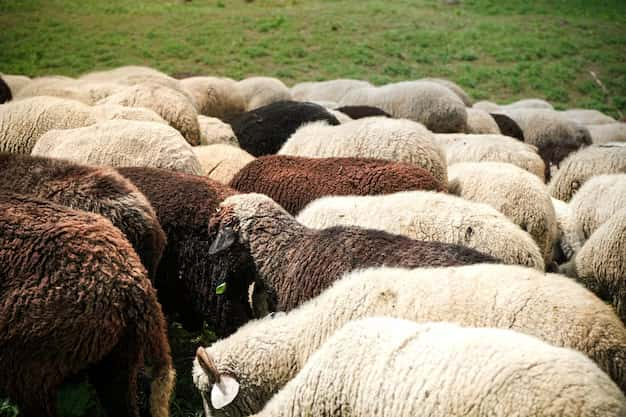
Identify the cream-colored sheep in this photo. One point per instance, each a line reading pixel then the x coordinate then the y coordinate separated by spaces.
pixel 578 167
pixel 22 122
pixel 431 216
pixel 494 148
pixel 213 130
pixel 516 193
pixel 597 200
pixel 121 143
pixel 171 105
pixel 221 162
pixel 386 366
pixel 264 355
pixel 487 106
pixel 88 92
pixel 569 239
pixel 611 132
pixel 260 91
pixel 454 87
pixel 588 116
pixel 480 122
pixel 528 103
pixel 215 97
pixel 601 263
pixel 133 75
pixel 370 137
pixel 15 82
pixel 427 102
pixel 331 90
pixel 105 112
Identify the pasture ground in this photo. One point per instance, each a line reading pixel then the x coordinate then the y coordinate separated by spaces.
pixel 496 50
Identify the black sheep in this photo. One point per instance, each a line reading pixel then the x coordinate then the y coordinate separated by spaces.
pixel 74 297
pixel 264 130
pixel 359 112
pixel 508 126
pixel 5 92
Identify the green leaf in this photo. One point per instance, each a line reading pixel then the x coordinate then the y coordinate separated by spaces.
pixel 221 289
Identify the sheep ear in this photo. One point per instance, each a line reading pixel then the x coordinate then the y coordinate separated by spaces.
pixel 224 392
pixel 224 240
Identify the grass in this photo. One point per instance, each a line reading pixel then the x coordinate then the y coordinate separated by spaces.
pixel 496 50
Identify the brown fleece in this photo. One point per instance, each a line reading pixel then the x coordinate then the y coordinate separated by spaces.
pixel 359 112
pixel 187 277
pixel 295 263
pixel 97 189
pixel 73 296
pixel 293 181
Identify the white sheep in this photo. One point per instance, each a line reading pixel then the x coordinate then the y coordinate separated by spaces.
pixel 221 162
pixel 528 103
pixel 516 193
pixel 121 143
pixel 426 102
pixel 331 90
pixel 260 91
pixel 386 366
pixel 578 167
pixel 486 105
pixel 215 97
pixel 597 200
pixel 601 263
pixel 16 82
pixel 587 116
pixel 611 132
pixel 88 92
pixel 105 112
pixel 481 122
pixel 460 147
pixel 264 355
pixel 569 239
pixel 454 87
pixel 431 216
pixel 371 137
pixel 170 104
pixel 213 130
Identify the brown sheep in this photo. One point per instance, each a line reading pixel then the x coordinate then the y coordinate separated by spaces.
pixel 74 297
pixel 294 181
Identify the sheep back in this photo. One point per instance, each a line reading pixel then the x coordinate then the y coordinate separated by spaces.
pixel 331 90
pixel 611 132
pixel 215 97
pixel 5 92
pixel 222 162
pixel 261 91
pixel 481 122
pixel 214 131
pixel 359 112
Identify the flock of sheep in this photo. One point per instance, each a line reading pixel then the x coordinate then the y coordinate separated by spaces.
pixel 359 250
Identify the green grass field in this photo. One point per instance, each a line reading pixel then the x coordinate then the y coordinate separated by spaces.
pixel 496 50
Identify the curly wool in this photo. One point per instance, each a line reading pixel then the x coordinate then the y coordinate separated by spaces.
pixel 371 137
pixel 266 354
pixel 494 148
pixel 569 239
pixel 601 265
pixel 171 105
pixel 264 130
pixel 587 116
pixel 492 372
pixel 611 132
pixel 454 87
pixel 331 90
pixel 295 263
pixel 121 143
pixel 577 168
pixel 514 192
pixel 431 216
pixel 481 122
pixel 23 122
pixel 261 91
pixel 222 162
pixel 554 135
pixel 214 131
pixel 215 97
pixel 188 276
pixel 74 297
pixel 426 102
pixel 597 200
pixel 97 189
pixel 293 182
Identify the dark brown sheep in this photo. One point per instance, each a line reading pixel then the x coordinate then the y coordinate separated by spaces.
pixel 100 190
pixel 74 297
pixel 507 126
pixel 294 181
pixel 294 263
pixel 187 278
pixel 359 112
pixel 264 130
